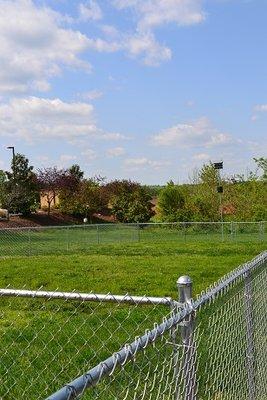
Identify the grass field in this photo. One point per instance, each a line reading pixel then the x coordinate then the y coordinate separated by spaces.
pixel 46 343
pixel 77 239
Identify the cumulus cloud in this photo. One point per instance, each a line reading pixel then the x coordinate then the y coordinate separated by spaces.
pixel 145 163
pixel 90 11
pixel 35 118
pixel 35 45
pixel 115 152
pixel 151 14
pixel 145 47
pixel 91 95
pixel 154 13
pixel 38 42
pixel 199 133
pixel 89 154
pixel 201 157
pixel 66 159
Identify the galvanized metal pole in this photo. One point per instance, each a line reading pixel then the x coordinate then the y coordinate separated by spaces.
pixel 68 239
pixel 250 354
pixel 97 232
pixel 29 242
pixel 184 285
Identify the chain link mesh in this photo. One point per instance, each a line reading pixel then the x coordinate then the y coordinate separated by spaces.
pixel 213 348
pixel 47 341
pixel 74 239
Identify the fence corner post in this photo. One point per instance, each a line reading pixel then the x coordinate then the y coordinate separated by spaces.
pixel 184 286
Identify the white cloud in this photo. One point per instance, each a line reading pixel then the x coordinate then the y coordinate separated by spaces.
pixel 199 133
pixel 145 163
pixel 116 152
pixel 147 48
pixel 91 95
pixel 35 118
pixel 67 158
pixel 89 154
pixel 151 14
pixel 201 157
pixel 35 46
pixel 37 43
pixel 154 13
pixel 90 11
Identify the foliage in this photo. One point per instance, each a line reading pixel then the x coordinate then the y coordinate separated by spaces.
pixel 53 180
pixel 88 199
pixel 21 194
pixel 243 198
pixel 128 201
pixel 3 193
pixel 171 203
pixel 262 164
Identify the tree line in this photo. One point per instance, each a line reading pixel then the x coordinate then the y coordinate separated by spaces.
pixel 243 198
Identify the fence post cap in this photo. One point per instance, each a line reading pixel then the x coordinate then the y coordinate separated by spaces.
pixel 184 280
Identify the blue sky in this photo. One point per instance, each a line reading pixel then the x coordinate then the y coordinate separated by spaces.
pixel 147 90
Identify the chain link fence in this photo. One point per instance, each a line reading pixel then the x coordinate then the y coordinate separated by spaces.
pixel 122 347
pixel 49 337
pixel 77 238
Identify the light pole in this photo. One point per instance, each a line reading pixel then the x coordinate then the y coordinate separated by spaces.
pixel 13 161
pixel 219 166
pixel 13 152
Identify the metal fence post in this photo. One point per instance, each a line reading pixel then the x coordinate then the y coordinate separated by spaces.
pixel 261 231
pixel 138 232
pixel 184 285
pixel 184 229
pixel 97 233
pixel 250 353
pixel 68 239
pixel 29 242
pixel 232 231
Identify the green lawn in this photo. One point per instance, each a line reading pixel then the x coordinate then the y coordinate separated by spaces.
pixel 77 239
pixel 45 344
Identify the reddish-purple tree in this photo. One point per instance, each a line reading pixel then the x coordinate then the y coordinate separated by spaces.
pixel 52 180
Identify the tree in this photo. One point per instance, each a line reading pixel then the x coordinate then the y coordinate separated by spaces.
pixel 76 172
pixel 209 175
pixel 128 201
pixel 262 164
pixel 3 188
pixel 53 180
pixel 171 203
pixel 89 198
pixel 21 187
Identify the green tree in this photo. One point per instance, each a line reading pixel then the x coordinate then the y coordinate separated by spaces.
pixel 262 164
pixel 171 203
pixel 132 207
pixel 21 186
pixel 128 201
pixel 76 172
pixel 3 187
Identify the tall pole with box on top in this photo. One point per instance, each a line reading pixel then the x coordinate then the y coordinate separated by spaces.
pixel 219 166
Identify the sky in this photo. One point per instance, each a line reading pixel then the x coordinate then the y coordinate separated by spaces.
pixel 141 89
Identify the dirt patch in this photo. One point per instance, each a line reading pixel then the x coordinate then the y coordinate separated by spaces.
pixel 42 219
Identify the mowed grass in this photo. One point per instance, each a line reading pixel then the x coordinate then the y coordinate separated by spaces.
pixel 137 268
pixel 47 343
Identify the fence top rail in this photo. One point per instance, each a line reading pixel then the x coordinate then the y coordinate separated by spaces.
pixel 103 298
pixel 229 279
pixel 29 228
